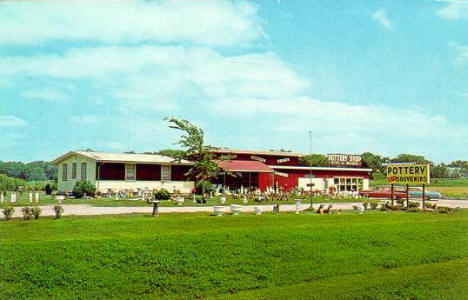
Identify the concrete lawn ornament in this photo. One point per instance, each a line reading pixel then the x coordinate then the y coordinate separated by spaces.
pixel 30 197
pixel 36 197
pixel 13 197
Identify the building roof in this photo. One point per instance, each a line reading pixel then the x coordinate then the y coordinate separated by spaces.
pixel 258 152
pixel 321 168
pixel 244 166
pixel 124 157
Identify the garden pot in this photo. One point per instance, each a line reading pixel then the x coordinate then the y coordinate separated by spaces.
pixel 298 205
pixel 222 200
pixel 360 209
pixel 180 200
pixel 60 199
pixel 236 209
pixel 218 210
pixel 258 210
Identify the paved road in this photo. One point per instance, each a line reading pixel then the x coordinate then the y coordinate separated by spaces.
pixel 87 210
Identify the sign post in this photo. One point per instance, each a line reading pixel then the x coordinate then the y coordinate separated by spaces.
pixel 409 173
pixel 407 195
pixel 393 193
pixel 424 196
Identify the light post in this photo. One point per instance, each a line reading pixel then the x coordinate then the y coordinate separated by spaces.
pixel 310 167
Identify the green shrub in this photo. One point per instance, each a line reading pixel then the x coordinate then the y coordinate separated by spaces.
pixel 203 185
pixel 26 212
pixel 414 204
pixel 385 206
pixel 374 204
pixel 36 212
pixel 162 194
pixel 444 209
pixel 16 184
pixel 8 212
pixel 431 205
pixel 365 203
pixel 400 201
pixel 58 211
pixel 84 187
pixel 48 189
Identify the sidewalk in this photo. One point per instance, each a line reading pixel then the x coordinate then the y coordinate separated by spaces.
pixel 88 210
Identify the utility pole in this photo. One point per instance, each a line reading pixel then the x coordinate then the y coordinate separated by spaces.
pixel 310 159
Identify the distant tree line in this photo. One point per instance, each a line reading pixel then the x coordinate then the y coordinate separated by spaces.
pixel 37 170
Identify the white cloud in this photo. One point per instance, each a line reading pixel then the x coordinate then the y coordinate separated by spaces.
pixel 11 121
pixel 381 17
pixel 157 77
pixel 454 10
pixel 256 93
pixel 243 89
pixel 344 126
pixel 218 23
pixel 46 94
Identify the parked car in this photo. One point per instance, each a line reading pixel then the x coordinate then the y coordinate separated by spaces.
pixel 383 191
pixel 416 192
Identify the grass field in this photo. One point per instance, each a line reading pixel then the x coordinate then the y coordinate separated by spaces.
pixel 370 256
pixel 23 200
pixel 456 192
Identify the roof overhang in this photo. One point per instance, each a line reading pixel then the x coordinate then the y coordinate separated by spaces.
pixel 108 157
pixel 321 168
pixel 257 152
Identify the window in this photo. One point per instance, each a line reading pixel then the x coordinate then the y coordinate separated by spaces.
pixel 73 170
pixel 165 173
pixel 348 184
pixel 64 172
pixel 83 171
pixel 130 172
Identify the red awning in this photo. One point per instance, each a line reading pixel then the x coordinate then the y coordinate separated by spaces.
pixel 243 166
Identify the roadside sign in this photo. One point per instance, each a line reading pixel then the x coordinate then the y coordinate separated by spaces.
pixel 344 160
pixel 408 174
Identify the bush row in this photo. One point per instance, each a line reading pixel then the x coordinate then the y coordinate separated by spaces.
pixel 16 184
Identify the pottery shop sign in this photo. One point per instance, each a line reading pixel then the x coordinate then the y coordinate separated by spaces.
pixel 408 173
pixel 344 160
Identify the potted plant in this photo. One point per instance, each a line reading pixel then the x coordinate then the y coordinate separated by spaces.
pixel 298 205
pixel 218 210
pixel 178 197
pixel 236 209
pixel 222 199
pixel 258 210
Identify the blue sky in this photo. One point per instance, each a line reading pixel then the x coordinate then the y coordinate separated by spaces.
pixel 382 76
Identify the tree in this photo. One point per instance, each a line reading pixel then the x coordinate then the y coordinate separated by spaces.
pixel 174 153
pixel 408 158
pixel 458 164
pixel 439 171
pixel 193 140
pixel 373 161
pixel 314 160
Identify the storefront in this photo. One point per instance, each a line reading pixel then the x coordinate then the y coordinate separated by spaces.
pixel 282 171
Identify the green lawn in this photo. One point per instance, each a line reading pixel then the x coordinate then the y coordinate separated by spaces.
pixel 375 255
